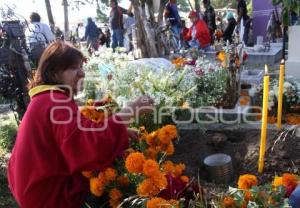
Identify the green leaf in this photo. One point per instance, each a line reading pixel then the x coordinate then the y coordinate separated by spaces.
pixel 276 2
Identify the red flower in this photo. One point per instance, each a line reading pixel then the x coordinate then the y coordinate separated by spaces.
pixel 245 56
pixel 289 190
pixel 199 72
pixel 193 62
pixel 174 188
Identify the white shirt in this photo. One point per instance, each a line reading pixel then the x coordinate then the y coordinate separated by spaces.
pixel 128 24
pixel 81 32
pixel 194 31
pixel 39 32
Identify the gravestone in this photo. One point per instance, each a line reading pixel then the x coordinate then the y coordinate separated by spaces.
pixel 293 62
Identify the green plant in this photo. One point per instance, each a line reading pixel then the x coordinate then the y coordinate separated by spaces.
pixel 288 6
pixel 7 137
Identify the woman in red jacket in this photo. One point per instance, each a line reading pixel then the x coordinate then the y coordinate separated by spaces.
pixel 55 143
pixel 198 35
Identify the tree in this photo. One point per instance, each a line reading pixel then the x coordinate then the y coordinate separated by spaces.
pixel 183 5
pixel 287 8
pixel 66 16
pixel 49 13
pixel 145 33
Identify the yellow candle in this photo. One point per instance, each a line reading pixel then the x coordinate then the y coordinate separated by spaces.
pixel 264 123
pixel 280 95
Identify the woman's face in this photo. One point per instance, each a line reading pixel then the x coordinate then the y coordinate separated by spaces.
pixel 73 77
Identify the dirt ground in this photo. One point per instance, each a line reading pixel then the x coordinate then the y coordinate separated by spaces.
pixel 282 155
pixel 243 147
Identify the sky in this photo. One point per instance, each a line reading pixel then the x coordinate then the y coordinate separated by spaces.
pixel 25 7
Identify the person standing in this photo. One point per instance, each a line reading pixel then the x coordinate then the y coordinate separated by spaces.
pixel 172 17
pixel 116 24
pixel 37 32
pixel 210 18
pixel 107 35
pixel 227 35
pixel 198 35
pixel 38 36
pixel 243 20
pixel 91 35
pixel 128 26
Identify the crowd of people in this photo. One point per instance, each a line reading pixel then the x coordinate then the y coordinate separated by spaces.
pixel 203 31
pixel 119 33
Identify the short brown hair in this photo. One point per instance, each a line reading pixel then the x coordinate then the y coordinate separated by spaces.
pixel 57 57
pixel 35 17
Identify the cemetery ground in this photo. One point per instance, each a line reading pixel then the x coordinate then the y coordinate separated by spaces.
pixel 240 141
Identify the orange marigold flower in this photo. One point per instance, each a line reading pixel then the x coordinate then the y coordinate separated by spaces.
pixel 156 202
pixel 168 167
pixel 110 175
pixel 247 181
pixel 247 196
pixel 163 137
pixel 277 181
pixel 228 202
pixel 160 180
pixel 113 203
pixel 171 131
pixel 134 162
pixel 179 169
pixel 173 203
pixel 292 119
pixel 184 179
pixel 115 194
pixel 221 56
pixel 102 178
pixel 90 102
pixel 289 180
pixel 167 133
pixel 151 153
pixel 245 204
pixel 147 188
pixel 87 174
pixel 151 138
pixel 123 180
pixel 170 149
pixel 96 186
pixel 150 168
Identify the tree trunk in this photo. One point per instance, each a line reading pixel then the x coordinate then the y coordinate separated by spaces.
pixel 161 10
pixel 196 5
pixel 285 28
pixel 145 36
pixel 66 16
pixel 50 16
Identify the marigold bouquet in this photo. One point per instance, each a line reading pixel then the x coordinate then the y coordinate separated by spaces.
pixel 143 177
pixel 250 194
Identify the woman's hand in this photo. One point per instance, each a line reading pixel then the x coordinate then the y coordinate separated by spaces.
pixel 140 106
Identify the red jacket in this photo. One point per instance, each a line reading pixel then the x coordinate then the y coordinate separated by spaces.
pixel 202 33
pixel 46 163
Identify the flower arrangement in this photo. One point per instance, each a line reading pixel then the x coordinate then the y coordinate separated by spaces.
pixel 143 172
pixel 250 194
pixel 291 94
pixel 179 62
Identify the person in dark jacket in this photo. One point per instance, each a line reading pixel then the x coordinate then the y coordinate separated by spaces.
pixel 243 20
pixel 227 35
pixel 91 35
pixel 210 18
pixel 116 24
